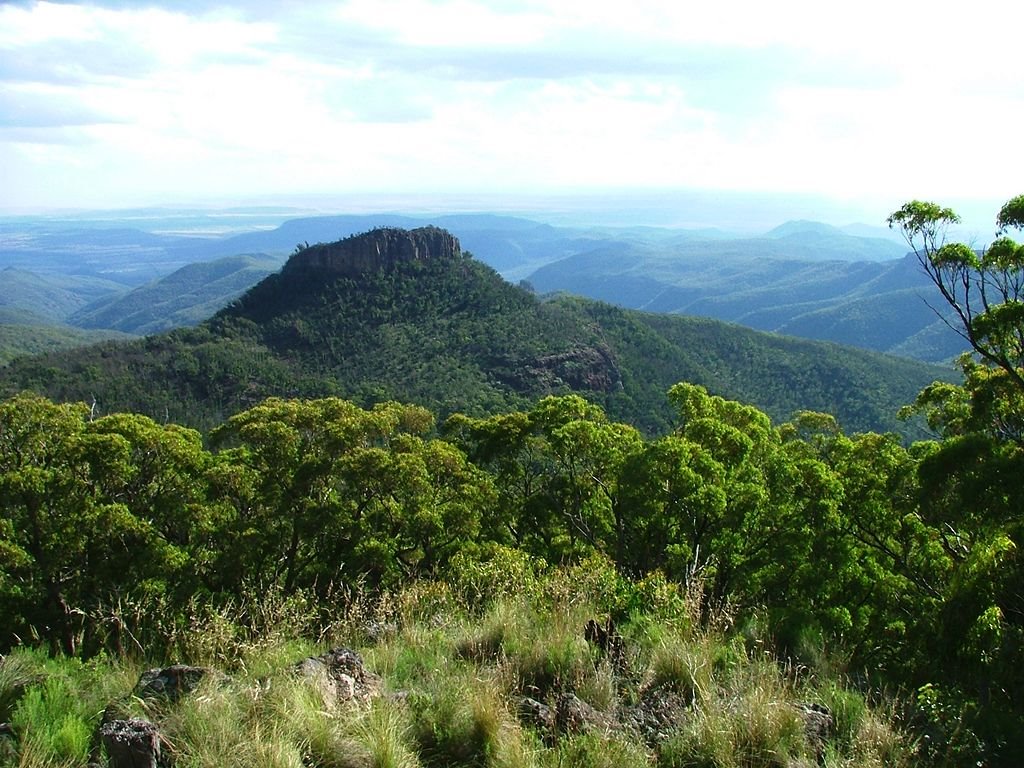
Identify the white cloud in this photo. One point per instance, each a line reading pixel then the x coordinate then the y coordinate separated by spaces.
pixel 876 99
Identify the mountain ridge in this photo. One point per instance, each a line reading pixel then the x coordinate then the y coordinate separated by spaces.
pixel 452 335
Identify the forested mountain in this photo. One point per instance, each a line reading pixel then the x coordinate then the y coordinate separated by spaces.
pixel 880 305
pixel 362 319
pixel 185 297
pixel 46 298
pixel 19 339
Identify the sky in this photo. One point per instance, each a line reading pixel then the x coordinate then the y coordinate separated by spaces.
pixel 862 105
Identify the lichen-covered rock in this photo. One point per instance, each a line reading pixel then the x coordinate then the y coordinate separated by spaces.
pixel 573 715
pixel 658 712
pixel 340 676
pixel 132 743
pixel 568 715
pixel 818 724
pixel 536 714
pixel 170 683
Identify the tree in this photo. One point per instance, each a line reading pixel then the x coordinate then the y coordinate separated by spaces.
pixel 985 290
pixel 90 509
pixel 323 490
pixel 759 525
pixel 971 495
pixel 558 474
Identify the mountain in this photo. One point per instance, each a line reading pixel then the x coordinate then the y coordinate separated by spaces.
pixel 185 297
pixel 879 305
pixel 512 245
pixel 21 339
pixel 830 242
pixel 802 277
pixel 50 298
pixel 407 315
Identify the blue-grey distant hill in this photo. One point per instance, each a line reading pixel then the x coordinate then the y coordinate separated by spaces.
pixel 885 305
pixel 824 242
pixel 185 297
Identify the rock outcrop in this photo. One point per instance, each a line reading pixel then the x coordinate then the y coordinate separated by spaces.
pixel 132 743
pixel 567 716
pixel 339 676
pixel 374 250
pixel 170 683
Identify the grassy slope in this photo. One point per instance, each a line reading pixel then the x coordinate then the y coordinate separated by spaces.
pixel 456 658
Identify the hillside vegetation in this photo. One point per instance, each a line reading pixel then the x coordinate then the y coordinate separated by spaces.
pixel 26 339
pixel 747 566
pixel 50 298
pixel 878 305
pixel 185 297
pixel 456 672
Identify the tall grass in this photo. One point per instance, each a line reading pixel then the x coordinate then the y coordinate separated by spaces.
pixel 54 705
pixel 454 672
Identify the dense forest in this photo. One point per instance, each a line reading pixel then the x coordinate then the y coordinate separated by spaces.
pixel 886 570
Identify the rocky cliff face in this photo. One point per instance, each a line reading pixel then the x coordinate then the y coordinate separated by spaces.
pixel 377 249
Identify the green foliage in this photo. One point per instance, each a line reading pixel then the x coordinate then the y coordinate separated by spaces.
pixel 590 750
pixel 969 498
pixel 23 339
pixel 849 550
pixel 794 284
pixel 50 298
pixel 455 709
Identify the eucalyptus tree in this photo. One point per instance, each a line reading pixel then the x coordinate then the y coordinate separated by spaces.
pixel 322 491
pixel 557 470
pixel 971 494
pixel 92 509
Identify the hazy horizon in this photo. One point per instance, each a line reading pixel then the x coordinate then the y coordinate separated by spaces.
pixel 738 214
pixel 763 113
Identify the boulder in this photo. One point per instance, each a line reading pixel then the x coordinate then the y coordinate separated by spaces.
pixel 657 713
pixel 818 725
pixel 536 714
pixel 340 676
pixel 568 715
pixel 170 683
pixel 573 715
pixel 132 743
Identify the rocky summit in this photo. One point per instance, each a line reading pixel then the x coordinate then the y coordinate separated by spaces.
pixel 376 249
